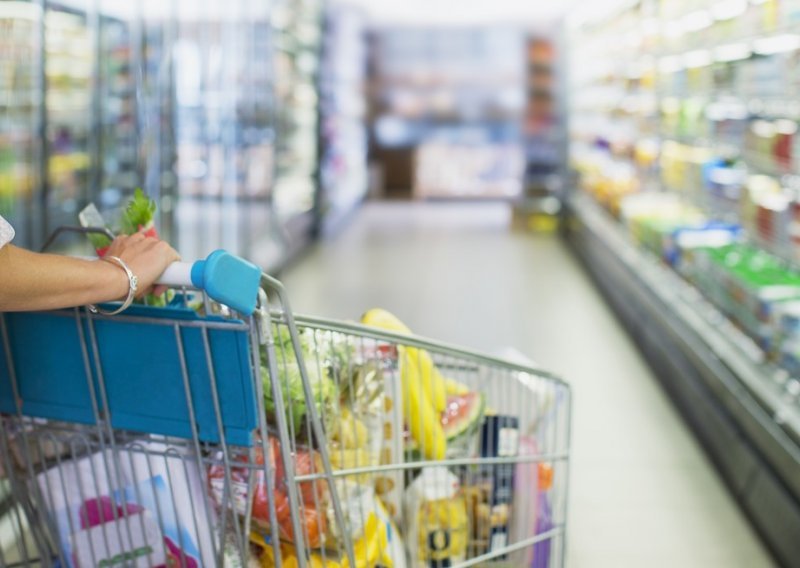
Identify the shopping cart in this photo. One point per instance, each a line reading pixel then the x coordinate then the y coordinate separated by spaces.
pixel 223 430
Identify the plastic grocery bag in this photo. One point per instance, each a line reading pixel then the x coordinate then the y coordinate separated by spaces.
pixel 131 511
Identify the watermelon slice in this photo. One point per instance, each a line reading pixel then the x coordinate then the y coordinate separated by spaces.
pixel 462 416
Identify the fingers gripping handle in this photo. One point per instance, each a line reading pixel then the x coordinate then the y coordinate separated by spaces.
pixel 226 278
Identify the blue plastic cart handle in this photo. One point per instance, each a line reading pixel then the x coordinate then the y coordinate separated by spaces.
pixel 226 278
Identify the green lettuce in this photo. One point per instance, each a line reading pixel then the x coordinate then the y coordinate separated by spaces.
pixel 324 391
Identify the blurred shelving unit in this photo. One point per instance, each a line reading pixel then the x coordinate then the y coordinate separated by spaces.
pixel 297 51
pixel 448 104
pixel 212 108
pixel 19 80
pixel 225 131
pixel 684 130
pixel 343 172
pixel 69 60
pixel 544 132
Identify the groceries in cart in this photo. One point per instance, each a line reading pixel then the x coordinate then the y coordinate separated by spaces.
pixel 108 512
pixel 276 440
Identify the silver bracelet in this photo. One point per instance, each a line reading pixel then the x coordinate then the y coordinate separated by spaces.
pixel 133 286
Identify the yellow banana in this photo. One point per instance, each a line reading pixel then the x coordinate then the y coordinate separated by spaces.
pixel 378 317
pixel 351 459
pixel 351 433
pixel 432 380
pixel 373 547
pixel 422 419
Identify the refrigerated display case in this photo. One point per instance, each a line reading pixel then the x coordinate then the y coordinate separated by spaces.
pixel 683 131
pixel 69 60
pixel 298 43
pixel 247 129
pixel 19 78
pixel 118 169
pixel 177 99
pixel 343 177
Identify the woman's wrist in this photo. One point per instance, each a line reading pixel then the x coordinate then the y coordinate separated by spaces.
pixel 112 283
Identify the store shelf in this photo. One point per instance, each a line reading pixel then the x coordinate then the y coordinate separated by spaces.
pixel 744 411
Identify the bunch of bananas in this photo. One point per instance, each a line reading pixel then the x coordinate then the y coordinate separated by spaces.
pixel 424 388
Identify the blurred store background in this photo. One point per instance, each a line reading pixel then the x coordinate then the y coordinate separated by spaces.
pixel 259 125
pixel 659 138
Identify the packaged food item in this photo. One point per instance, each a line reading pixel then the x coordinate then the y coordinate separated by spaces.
pixel 437 520
pixel 376 540
pixel 524 518
pixel 374 417
pixel 499 438
pixel 313 494
pixel 544 517
pixel 147 499
pixel 135 526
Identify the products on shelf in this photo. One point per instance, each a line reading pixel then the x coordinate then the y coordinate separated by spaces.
pixel 458 112
pixel 721 191
pixel 298 38
pixel 17 82
pixel 750 286
pixel 468 170
pixel 343 112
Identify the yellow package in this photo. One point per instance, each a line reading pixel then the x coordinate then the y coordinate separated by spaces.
pixel 438 526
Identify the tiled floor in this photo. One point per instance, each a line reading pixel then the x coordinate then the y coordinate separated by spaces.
pixel 642 492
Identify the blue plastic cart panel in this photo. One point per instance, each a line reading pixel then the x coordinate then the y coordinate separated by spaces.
pixel 140 364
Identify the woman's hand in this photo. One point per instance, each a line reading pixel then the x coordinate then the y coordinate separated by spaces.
pixel 147 257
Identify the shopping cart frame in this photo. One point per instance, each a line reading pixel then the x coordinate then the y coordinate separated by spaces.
pixel 259 327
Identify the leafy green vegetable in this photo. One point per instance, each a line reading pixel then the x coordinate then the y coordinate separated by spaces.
pixel 319 360
pixel 140 212
pixel 322 388
pixel 98 240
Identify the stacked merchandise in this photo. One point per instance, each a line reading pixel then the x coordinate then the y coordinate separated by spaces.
pixel 69 60
pixel 298 41
pixel 712 81
pixel 685 130
pixel 540 115
pixel 17 82
pixel 543 136
pixel 448 107
pixel 224 129
pixel 757 291
pixel 119 175
pixel 445 169
pixel 343 163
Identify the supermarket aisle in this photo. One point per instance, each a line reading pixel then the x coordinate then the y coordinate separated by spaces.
pixel 642 492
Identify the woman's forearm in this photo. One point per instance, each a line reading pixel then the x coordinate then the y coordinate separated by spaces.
pixel 32 281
